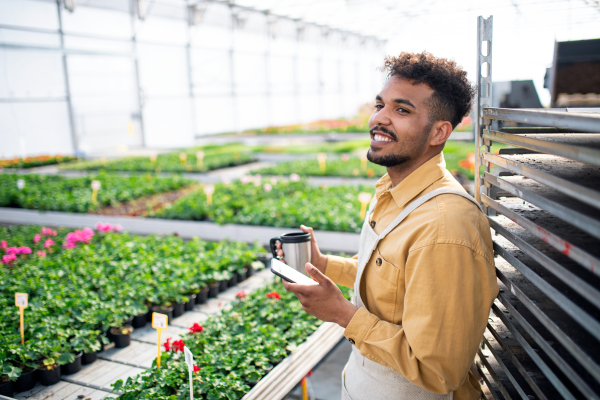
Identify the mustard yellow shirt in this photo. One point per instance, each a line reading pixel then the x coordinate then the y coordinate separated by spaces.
pixel 428 286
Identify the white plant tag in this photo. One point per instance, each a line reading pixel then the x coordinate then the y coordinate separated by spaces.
pixel 189 360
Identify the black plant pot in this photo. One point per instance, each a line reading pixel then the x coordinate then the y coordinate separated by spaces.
pixel 89 358
pixel 6 389
pixel 249 271
pixel 189 305
pixel 213 290
pixel 49 376
pixel 178 309
pixel 223 285
pixel 202 296
pixel 139 321
pixel 241 276
pixel 121 339
pixel 26 381
pixel 233 281
pixel 168 311
pixel 73 367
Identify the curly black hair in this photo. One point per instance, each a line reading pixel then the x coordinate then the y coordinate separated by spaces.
pixel 452 97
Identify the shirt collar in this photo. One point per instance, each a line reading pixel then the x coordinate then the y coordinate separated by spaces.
pixel 419 180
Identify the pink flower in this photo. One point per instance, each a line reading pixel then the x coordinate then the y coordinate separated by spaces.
pixel 41 253
pixel 100 227
pixel 84 236
pixel 118 228
pixel 3 244
pixel 24 250
pixel 48 243
pixel 12 250
pixel 8 258
pixel 37 238
pixel 48 231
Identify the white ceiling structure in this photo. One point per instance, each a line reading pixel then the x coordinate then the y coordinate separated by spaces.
pixel 524 30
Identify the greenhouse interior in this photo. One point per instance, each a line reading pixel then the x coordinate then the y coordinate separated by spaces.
pixel 299 200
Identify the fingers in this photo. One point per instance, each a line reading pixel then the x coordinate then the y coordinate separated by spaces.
pixel 316 274
pixel 279 253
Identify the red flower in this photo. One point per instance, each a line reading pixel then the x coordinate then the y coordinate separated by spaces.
pixel 197 369
pixel 178 345
pixel 241 295
pixel 309 373
pixel 196 328
pixel 168 344
pixel 274 295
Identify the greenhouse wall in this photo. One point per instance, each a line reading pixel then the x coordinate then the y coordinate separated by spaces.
pixel 128 73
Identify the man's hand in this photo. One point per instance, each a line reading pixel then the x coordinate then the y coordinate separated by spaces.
pixel 316 258
pixel 325 300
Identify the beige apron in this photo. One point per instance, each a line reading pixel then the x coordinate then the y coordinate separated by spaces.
pixel 362 378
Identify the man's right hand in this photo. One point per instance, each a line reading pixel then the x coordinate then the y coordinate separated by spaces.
pixel 316 258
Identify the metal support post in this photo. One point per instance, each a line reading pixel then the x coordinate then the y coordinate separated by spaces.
pixel 138 86
pixel 74 139
pixel 483 97
pixel 268 87
pixel 234 99
pixel 188 57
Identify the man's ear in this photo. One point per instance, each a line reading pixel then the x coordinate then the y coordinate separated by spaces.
pixel 441 131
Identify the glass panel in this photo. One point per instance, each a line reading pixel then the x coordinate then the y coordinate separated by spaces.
pixel 168 123
pixel 281 71
pixel 252 112
pixel 31 74
pixel 214 115
pixel 163 70
pixel 162 30
pixel 29 13
pixel 211 72
pixel 47 133
pixel 250 73
pixel 97 22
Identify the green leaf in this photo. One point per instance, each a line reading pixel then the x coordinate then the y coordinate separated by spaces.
pixel 65 358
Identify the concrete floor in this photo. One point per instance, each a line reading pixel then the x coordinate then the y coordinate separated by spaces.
pixel 326 380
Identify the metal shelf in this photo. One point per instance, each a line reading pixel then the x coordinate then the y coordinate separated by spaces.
pixel 568 209
pixel 573 178
pixel 560 118
pixel 545 339
pixel 575 146
pixel 565 238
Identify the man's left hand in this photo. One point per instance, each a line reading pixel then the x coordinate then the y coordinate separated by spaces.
pixel 325 300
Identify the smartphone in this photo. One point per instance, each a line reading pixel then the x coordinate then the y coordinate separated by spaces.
pixel 290 274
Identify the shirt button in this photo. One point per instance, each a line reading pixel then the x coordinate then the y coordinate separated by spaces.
pixel 378 261
pixel 351 340
pixel 372 224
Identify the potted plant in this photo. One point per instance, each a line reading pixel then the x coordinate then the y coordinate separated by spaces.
pixel 24 358
pixel 88 342
pixel 8 375
pixel 119 331
pixel 53 353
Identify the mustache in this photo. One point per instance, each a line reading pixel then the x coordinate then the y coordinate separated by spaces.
pixel 384 130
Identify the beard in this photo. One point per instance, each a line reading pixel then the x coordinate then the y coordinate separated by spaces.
pixel 411 149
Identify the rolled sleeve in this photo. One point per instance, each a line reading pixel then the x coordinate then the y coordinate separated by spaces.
pixel 342 270
pixel 360 324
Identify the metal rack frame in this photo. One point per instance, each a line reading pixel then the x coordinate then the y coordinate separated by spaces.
pixel 542 198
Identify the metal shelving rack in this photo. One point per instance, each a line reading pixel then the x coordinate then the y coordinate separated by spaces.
pixel 542 199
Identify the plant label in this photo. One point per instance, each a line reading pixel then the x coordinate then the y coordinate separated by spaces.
pixel 96 185
pixel 21 299
pixel 20 184
pixel 189 358
pixel 159 321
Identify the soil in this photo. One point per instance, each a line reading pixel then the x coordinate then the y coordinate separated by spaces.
pixel 142 206
pixel 123 331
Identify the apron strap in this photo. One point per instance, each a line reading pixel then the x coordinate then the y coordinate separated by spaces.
pixel 420 201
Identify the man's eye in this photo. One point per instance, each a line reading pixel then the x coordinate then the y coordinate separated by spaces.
pixel 402 110
pixel 378 106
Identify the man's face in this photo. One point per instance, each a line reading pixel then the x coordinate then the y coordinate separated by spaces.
pixel 400 124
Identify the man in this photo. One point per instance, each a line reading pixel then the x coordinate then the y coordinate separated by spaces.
pixel 424 277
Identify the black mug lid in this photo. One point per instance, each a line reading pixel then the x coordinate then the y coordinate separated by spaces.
pixel 295 237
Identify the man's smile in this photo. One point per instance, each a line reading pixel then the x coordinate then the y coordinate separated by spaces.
pixel 381 136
